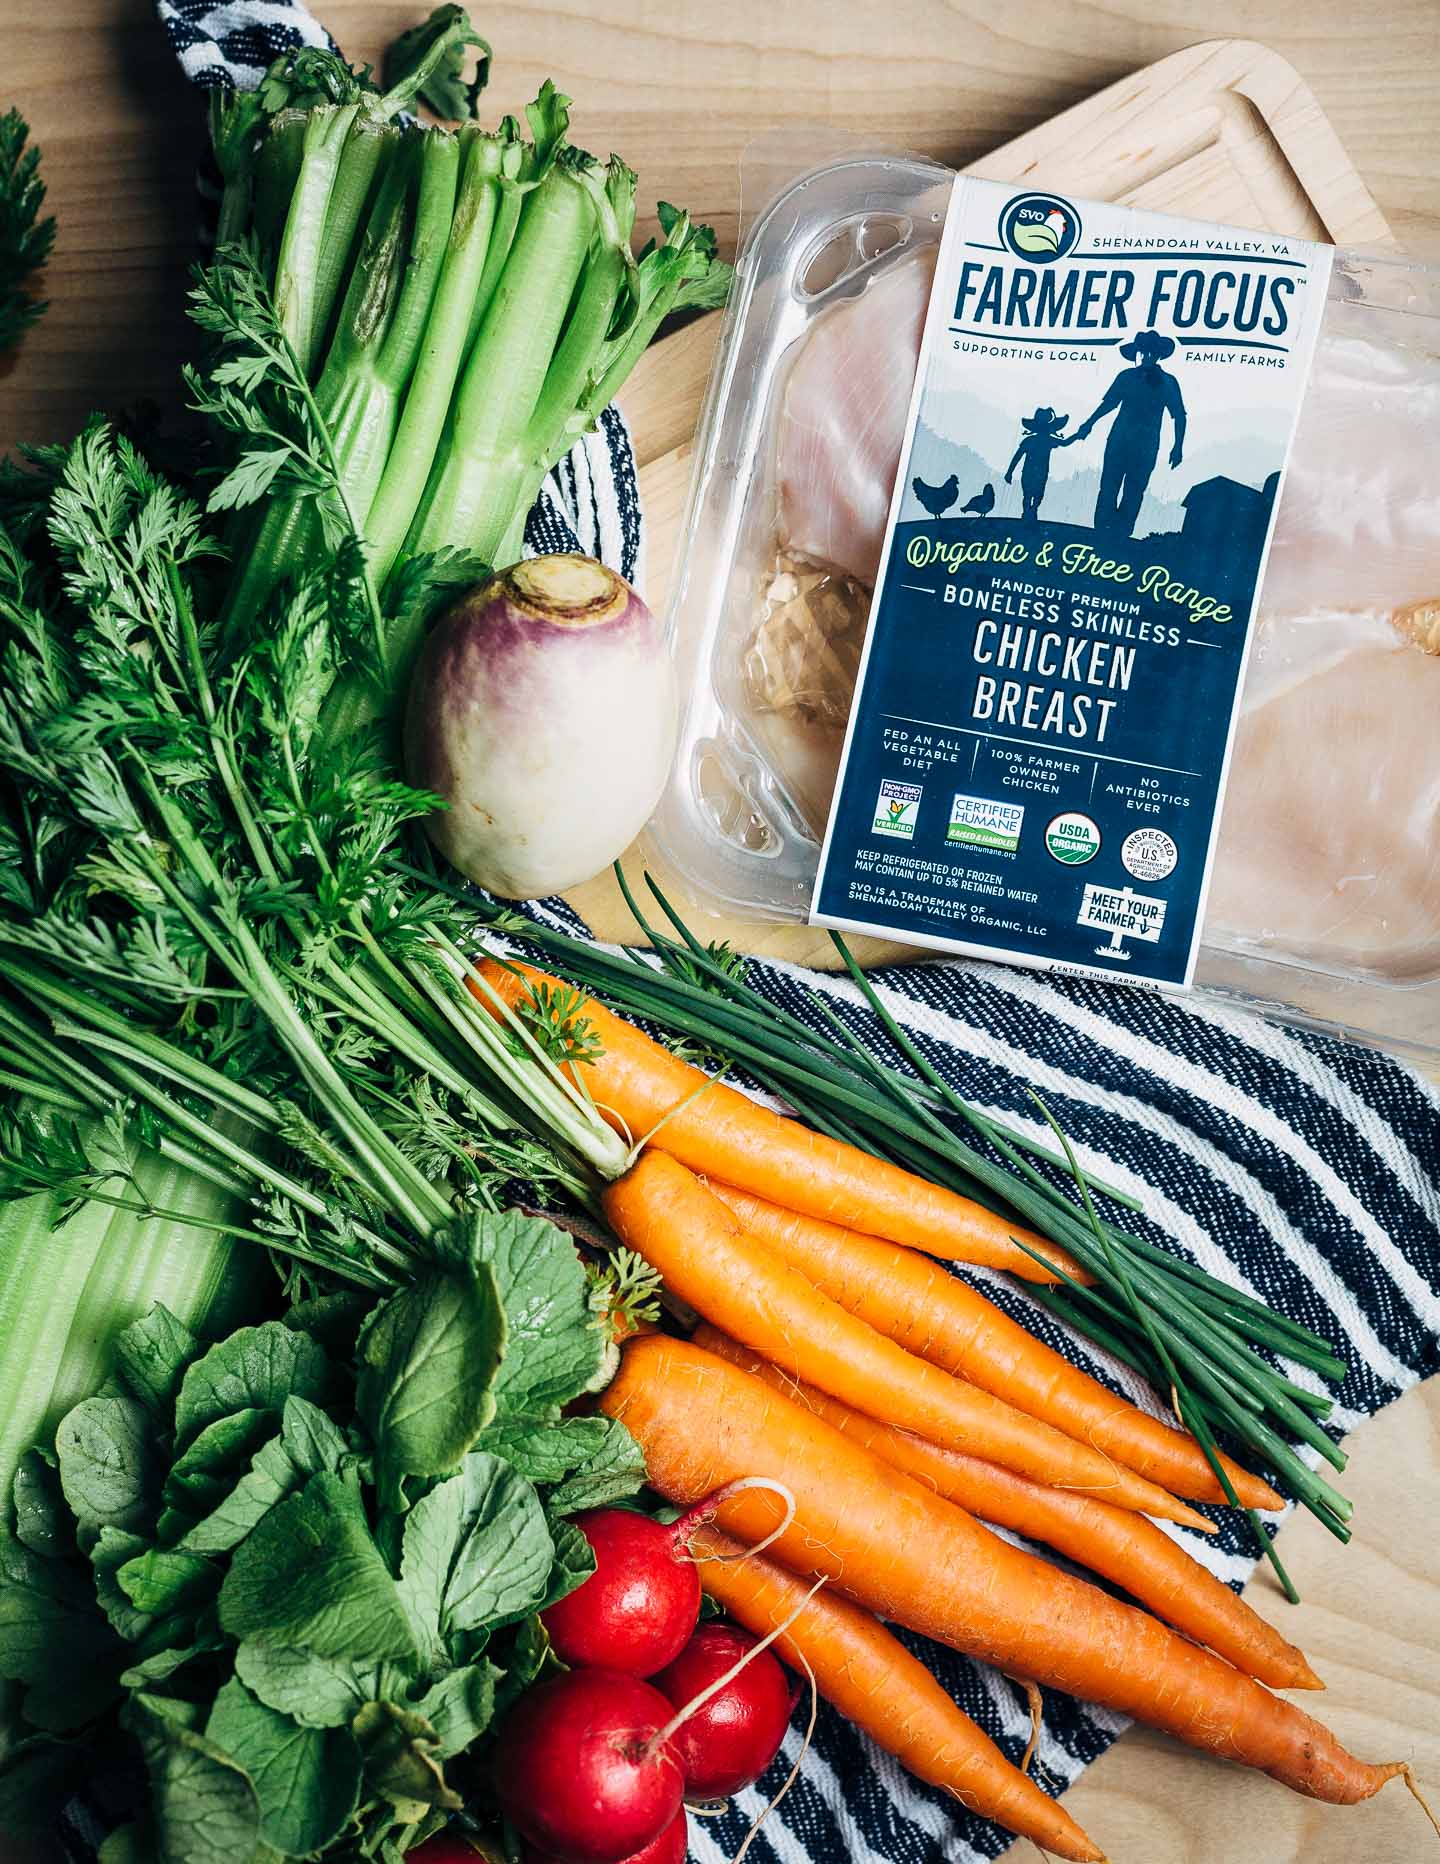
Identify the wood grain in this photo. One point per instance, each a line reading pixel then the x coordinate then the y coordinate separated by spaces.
pixel 1370 1623
pixel 681 86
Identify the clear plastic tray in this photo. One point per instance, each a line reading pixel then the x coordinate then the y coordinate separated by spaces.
pixel 1325 907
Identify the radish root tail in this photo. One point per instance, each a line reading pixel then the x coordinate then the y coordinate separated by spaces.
pixel 703 1513
pixel 794 1773
pixel 697 1702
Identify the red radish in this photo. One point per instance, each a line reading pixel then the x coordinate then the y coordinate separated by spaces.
pixel 731 1739
pixel 668 1848
pixel 578 1769
pixel 638 1608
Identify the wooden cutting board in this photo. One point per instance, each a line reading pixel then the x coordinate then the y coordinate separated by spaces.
pixel 1224 131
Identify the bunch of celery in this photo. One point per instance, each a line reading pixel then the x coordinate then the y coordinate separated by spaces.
pixel 464 304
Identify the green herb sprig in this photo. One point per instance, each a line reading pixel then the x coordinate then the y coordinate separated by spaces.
pixel 26 239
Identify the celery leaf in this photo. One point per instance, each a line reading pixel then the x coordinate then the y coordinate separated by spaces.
pixel 429 61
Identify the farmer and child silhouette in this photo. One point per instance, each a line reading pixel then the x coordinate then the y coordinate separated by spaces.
pixel 1139 399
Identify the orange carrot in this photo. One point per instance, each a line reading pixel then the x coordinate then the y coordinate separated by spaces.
pixel 878 1685
pixel 932 1313
pixel 722 1133
pixel 665 1214
pixel 909 1556
pixel 1122 1547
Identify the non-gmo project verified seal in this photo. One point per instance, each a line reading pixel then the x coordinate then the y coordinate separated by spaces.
pixel 896 808
pixel 979 823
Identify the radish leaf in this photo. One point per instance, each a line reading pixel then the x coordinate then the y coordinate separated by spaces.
pixel 307 1780
pixel 428 1363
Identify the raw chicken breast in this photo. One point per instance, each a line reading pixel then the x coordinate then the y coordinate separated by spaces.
pixel 1359 520
pixel 1329 850
pixel 844 419
pixel 1330 841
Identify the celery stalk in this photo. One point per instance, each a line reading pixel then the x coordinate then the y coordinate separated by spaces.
pixel 371 359
pixel 507 218
pixel 277 169
pixel 69 1287
pixel 443 349
pixel 364 148
pixel 297 273
pixel 469 500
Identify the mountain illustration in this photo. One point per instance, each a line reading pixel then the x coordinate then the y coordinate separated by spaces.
pixel 1070 498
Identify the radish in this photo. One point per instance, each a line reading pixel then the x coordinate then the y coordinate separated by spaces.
pixel 668 1848
pixel 582 1769
pixel 728 1740
pixel 638 1608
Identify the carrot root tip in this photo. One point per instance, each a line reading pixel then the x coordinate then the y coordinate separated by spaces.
pixel 1407 1774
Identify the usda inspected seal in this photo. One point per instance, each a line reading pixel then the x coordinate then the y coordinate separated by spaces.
pixel 1072 838
pixel 1149 854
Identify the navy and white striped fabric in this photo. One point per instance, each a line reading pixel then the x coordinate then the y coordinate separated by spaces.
pixel 1302 1170
pixel 590 504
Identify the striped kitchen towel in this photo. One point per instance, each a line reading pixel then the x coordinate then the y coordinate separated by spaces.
pixel 1304 1170
pixel 1301 1169
pixel 590 504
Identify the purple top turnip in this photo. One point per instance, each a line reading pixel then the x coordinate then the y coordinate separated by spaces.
pixel 543 712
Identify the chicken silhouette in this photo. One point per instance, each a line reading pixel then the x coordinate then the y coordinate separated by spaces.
pixel 937 499
pixel 982 504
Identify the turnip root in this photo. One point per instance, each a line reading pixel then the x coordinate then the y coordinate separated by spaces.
pixel 542 712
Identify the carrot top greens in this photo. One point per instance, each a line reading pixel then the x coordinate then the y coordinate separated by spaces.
pixel 25 239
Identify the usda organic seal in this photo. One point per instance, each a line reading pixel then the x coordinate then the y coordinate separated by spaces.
pixel 1072 838
pixel 1149 854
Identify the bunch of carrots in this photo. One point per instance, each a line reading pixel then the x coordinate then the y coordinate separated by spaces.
pixel 902 1411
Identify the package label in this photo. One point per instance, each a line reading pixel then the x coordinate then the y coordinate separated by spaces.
pixel 1097 441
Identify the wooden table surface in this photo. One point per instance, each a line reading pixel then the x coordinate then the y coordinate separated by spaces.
pixel 680 87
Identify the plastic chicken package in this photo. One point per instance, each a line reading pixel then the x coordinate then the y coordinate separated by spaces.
pixel 1322 895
